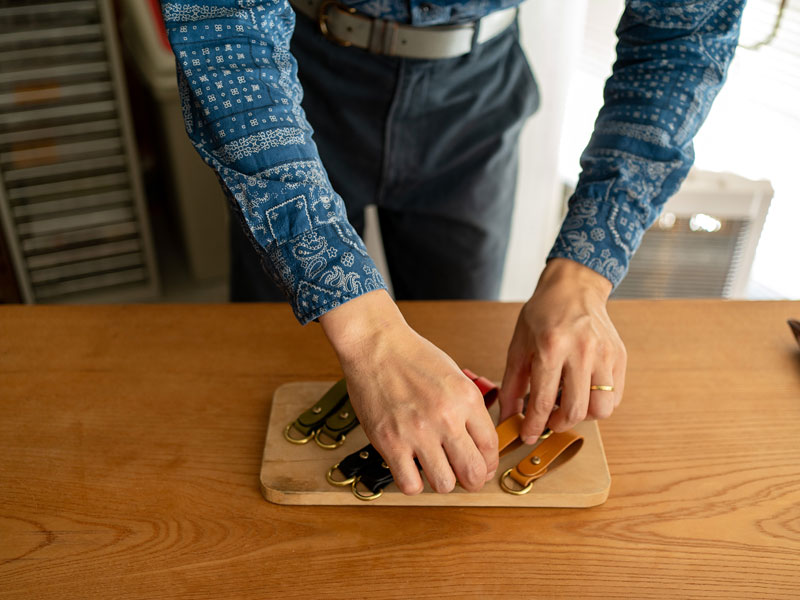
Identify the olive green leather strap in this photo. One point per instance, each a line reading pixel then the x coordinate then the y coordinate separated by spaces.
pixel 313 418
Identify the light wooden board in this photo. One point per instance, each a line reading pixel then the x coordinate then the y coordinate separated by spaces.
pixel 294 474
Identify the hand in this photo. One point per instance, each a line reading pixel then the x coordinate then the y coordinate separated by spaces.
pixel 564 337
pixel 411 398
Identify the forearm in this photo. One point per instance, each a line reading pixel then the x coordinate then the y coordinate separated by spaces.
pixel 671 62
pixel 241 105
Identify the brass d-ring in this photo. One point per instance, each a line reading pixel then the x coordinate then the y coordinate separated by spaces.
pixel 360 496
pixel 510 490
pixel 335 444
pixel 295 440
pixel 545 434
pixel 336 482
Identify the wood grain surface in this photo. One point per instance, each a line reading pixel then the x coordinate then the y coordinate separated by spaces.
pixel 131 440
pixel 295 474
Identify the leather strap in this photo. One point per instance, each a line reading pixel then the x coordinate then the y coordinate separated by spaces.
pixel 541 459
pixel 313 418
pixel 354 464
pixel 364 467
pixel 347 27
pixel 508 434
pixel 336 426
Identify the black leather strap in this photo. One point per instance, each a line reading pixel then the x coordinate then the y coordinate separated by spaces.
pixel 356 463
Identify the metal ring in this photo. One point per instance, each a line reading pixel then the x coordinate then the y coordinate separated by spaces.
pixel 295 440
pixel 336 482
pixel 510 490
pixel 546 434
pixel 602 388
pixel 335 444
pixel 360 496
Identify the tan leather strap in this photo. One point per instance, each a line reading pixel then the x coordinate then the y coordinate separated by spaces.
pixel 537 463
pixel 508 433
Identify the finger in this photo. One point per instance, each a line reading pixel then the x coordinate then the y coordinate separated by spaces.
pixel 437 469
pixel 601 403
pixel 484 438
pixel 545 379
pixel 514 387
pixel 405 472
pixel 619 370
pixel 574 396
pixel 467 462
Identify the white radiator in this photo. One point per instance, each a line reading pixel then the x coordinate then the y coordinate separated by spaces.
pixel 704 242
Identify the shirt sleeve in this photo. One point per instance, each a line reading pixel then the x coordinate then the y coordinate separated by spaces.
pixel 672 59
pixel 240 98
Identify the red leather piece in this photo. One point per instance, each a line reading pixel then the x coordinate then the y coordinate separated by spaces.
pixel 488 390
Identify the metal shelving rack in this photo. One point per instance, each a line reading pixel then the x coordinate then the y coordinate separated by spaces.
pixel 71 198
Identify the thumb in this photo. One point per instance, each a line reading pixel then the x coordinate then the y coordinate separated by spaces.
pixel 514 388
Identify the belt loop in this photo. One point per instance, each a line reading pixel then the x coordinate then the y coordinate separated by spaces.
pixel 376 35
pixel 390 32
pixel 476 31
pixel 383 37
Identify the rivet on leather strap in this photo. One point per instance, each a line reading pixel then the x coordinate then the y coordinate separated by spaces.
pixel 313 418
pixel 562 445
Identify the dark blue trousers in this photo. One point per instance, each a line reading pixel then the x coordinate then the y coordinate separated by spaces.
pixel 432 143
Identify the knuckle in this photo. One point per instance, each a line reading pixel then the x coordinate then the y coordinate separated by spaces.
pixel 551 342
pixel 474 476
pixel 590 347
pixel 541 405
pixel 418 424
pixel 575 414
pixel 489 443
pixel 443 485
pixel 410 488
pixel 449 426
pixel 601 410
pixel 607 353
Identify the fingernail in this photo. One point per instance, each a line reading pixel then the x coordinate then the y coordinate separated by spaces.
pixel 530 439
pixel 492 474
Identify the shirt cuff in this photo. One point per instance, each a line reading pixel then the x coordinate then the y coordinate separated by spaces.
pixel 599 234
pixel 323 268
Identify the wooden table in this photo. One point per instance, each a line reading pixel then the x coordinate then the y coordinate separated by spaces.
pixel 131 438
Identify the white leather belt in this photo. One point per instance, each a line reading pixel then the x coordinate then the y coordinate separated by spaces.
pixel 345 26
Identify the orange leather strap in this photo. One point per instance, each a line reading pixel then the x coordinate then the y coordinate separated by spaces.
pixel 508 433
pixel 537 463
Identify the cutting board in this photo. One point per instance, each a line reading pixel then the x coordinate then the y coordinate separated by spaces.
pixel 295 474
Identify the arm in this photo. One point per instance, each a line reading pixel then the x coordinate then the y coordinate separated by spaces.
pixel 241 105
pixel 672 59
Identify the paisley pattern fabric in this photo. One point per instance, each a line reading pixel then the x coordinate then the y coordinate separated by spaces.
pixel 241 106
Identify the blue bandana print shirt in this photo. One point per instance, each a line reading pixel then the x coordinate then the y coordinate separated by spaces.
pixel 241 106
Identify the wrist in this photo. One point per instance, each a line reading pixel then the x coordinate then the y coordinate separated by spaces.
pixel 353 327
pixel 566 272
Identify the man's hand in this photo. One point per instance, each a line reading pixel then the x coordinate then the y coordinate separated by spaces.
pixel 564 337
pixel 411 398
